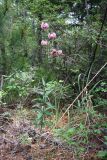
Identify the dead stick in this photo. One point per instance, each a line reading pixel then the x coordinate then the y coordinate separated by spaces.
pixel 80 94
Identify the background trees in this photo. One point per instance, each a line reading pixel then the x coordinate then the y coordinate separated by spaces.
pixel 80 27
pixel 45 67
pixel 20 26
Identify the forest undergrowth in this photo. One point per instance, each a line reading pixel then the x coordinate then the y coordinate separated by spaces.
pixel 53 80
pixel 39 126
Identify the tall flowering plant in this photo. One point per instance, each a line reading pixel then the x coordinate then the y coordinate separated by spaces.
pixel 44 42
pixel 44 26
pixel 51 37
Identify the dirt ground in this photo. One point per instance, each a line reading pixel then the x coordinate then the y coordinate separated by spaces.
pixel 20 140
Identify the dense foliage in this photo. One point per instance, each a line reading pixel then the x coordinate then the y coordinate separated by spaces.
pixel 49 51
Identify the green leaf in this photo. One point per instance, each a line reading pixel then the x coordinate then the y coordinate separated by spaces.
pixel 102 154
pixel 39 115
pixel 44 84
pixel 48 113
pixel 50 106
pixel 105 137
pixel 71 131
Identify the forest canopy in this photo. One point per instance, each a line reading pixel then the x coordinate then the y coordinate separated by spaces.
pixel 53 73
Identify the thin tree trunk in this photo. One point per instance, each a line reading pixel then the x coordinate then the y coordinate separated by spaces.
pixel 39 38
pixel 3 59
